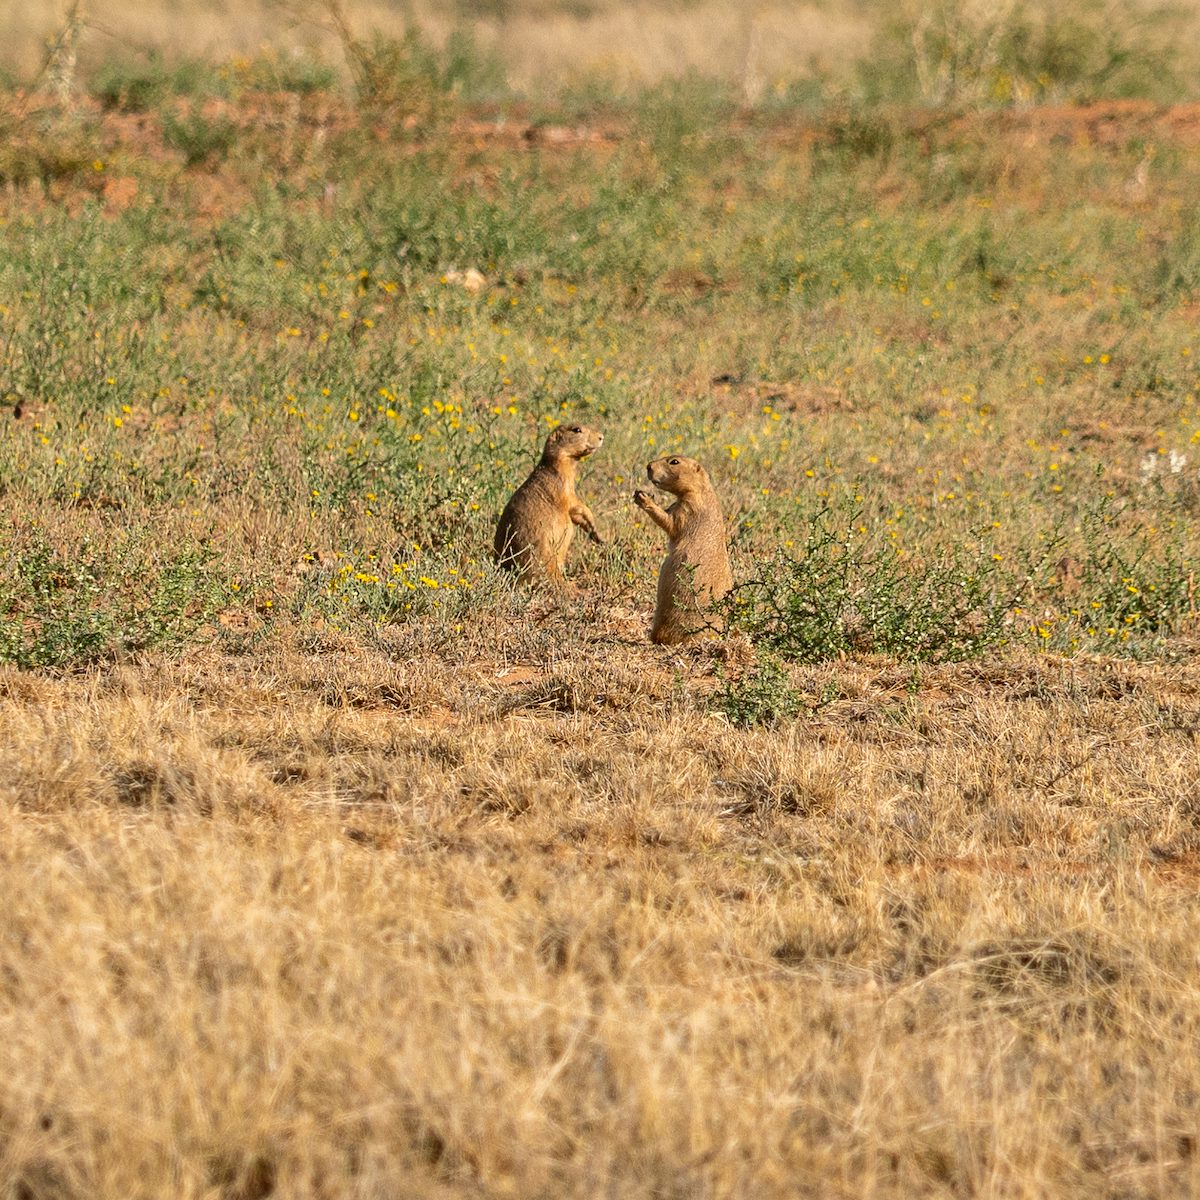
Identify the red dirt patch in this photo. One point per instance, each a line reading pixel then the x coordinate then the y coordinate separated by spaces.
pixel 119 192
pixel 517 677
pixel 745 397
pixel 1107 122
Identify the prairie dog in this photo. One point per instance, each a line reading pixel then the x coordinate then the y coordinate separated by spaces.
pixel 538 522
pixel 696 570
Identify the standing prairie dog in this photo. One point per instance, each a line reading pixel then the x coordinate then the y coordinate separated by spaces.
pixel 696 570
pixel 538 522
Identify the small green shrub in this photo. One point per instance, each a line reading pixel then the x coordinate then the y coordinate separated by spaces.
pixel 840 593
pixel 130 86
pixel 139 85
pixel 198 138
pixel 73 609
pixel 764 695
pixel 1129 587
pixel 856 134
pixel 681 115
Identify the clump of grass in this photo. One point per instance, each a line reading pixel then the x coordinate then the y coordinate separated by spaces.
pixel 142 84
pixel 409 75
pixel 199 138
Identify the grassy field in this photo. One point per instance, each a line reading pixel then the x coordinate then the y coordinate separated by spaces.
pixel 339 866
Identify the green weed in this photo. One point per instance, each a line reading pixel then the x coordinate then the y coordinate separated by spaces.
pixel 841 592
pixel 197 137
pixel 140 85
pixel 1126 589
pixel 763 695
pixel 70 609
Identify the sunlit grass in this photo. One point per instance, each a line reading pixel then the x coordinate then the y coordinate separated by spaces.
pixel 341 864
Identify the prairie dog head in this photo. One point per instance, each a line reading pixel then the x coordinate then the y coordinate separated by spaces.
pixel 678 475
pixel 572 441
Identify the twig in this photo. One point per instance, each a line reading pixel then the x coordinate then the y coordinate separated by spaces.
pixel 59 62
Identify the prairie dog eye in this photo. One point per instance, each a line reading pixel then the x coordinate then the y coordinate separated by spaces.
pixel 674 462
pixel 575 429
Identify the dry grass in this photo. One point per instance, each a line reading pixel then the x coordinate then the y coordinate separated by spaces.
pixel 336 866
pixel 309 927
pixel 546 45
pixel 542 46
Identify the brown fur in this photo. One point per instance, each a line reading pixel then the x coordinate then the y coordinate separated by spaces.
pixel 538 523
pixel 696 570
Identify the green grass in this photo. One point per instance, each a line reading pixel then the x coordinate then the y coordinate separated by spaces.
pixel 976 350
